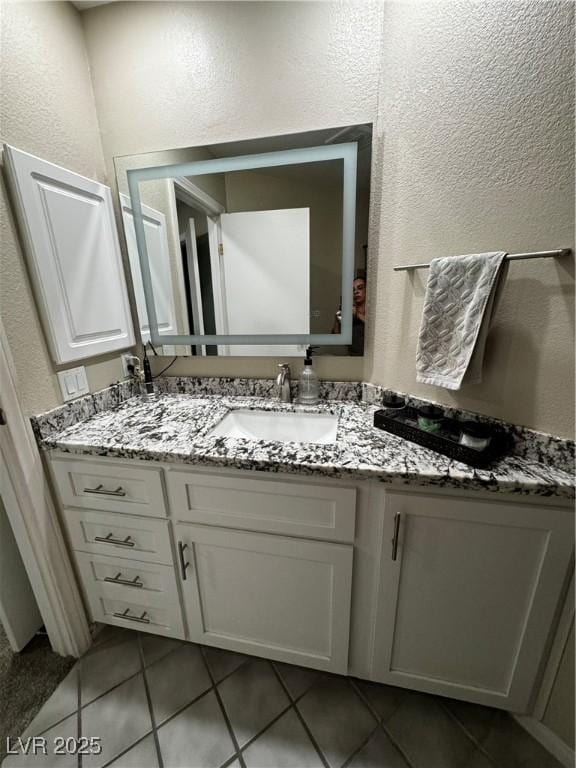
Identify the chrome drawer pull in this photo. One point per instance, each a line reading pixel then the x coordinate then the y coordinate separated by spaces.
pixel 104 492
pixel 126 615
pixel 108 539
pixel 117 580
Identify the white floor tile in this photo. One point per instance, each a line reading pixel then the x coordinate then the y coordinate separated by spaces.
pixel 105 667
pixel 175 681
pixel 385 699
pixel 155 647
pixel 298 680
pixel 337 718
pixel 142 755
pixel 197 737
pixel 427 735
pixel 252 697
pixel 120 718
pixel 284 745
pixel 379 752
pixel 64 730
pixel 222 663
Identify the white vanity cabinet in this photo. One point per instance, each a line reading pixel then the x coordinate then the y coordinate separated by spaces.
pixel 274 596
pixel 258 590
pixel 468 593
pixel 448 592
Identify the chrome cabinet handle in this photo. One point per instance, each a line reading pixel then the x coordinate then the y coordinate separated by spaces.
pixel 127 615
pixel 395 537
pixel 109 539
pixel 184 565
pixel 126 582
pixel 105 492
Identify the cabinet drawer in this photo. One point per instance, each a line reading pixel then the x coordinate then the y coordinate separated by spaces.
pixel 126 579
pixel 135 538
pixel 158 617
pixel 271 506
pixel 103 485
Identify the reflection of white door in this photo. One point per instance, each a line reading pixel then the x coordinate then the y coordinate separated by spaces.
pixel 265 276
pixel 194 278
pixel 19 614
pixel 159 259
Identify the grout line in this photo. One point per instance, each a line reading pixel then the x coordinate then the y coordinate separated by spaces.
pixel 304 724
pixel 229 761
pixel 223 709
pixel 136 639
pixel 58 722
pixel 367 703
pixel 122 637
pixel 478 744
pixel 189 704
pixel 365 700
pixel 347 762
pixel 113 688
pixel 229 674
pixel 200 695
pixel 256 736
pixel 149 699
pixel 398 747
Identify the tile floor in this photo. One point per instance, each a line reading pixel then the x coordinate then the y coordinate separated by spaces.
pixel 156 702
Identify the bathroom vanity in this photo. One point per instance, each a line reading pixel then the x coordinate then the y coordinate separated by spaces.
pixel 442 578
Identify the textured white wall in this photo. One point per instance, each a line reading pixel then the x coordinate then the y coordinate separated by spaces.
pixel 180 74
pixel 476 141
pixel 473 151
pixel 46 108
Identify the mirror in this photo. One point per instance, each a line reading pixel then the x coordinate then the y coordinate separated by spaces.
pixel 253 247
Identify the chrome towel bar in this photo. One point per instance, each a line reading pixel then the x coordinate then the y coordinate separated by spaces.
pixel 510 257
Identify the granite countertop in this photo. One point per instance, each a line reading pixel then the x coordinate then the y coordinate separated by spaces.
pixel 174 428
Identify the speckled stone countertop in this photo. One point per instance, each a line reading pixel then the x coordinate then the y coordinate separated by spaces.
pixel 176 427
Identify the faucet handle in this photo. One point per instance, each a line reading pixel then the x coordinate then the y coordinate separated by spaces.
pixel 284 366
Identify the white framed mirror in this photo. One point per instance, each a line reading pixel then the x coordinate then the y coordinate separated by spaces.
pixel 251 248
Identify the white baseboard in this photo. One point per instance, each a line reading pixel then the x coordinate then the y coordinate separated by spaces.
pixel 549 740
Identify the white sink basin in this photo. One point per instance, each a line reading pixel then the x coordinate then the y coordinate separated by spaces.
pixel 271 425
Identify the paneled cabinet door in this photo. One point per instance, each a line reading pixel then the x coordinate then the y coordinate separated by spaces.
pixel 272 596
pixel 468 595
pixel 74 257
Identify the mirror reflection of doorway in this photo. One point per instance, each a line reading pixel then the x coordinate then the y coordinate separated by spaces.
pixel 197 270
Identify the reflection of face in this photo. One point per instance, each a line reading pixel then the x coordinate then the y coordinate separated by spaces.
pixel 359 291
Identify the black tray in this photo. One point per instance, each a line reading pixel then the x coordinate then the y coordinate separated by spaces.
pixel 404 423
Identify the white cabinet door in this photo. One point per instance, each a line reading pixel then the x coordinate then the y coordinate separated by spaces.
pixel 468 596
pixel 271 596
pixel 74 257
pixel 160 269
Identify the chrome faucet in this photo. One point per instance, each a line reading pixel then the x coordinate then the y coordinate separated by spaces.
pixel 283 390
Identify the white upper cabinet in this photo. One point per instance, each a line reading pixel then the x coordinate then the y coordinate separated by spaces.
pixel 68 225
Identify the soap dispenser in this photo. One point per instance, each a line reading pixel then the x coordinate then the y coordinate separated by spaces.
pixel 308 387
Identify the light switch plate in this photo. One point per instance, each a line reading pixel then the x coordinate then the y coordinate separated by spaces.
pixel 73 383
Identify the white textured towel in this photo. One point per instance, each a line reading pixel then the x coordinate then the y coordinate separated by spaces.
pixel 461 296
